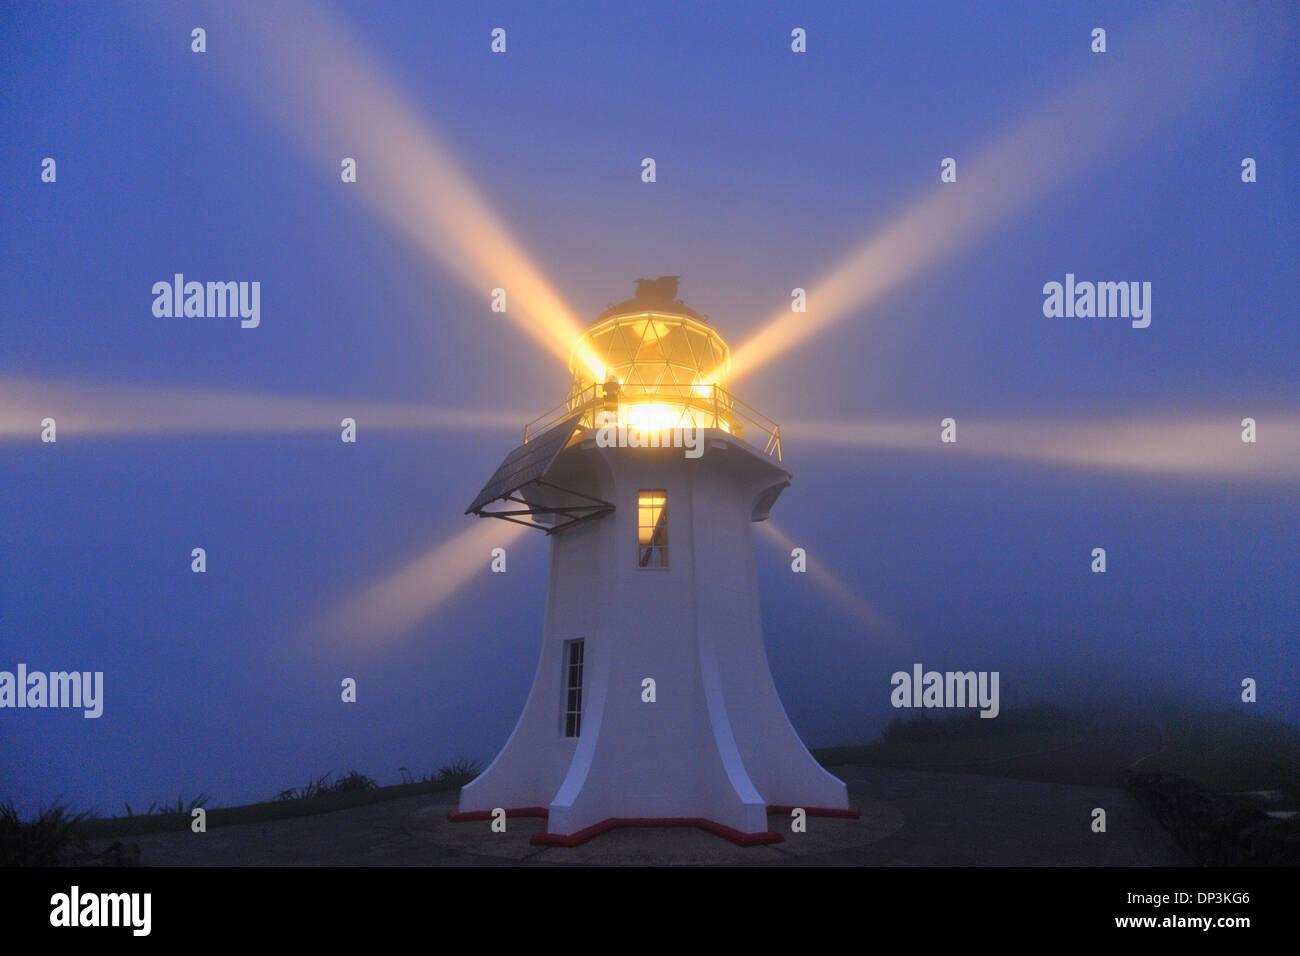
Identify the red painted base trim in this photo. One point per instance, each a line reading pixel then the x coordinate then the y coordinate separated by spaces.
pixel 468 816
pixel 613 823
pixel 850 813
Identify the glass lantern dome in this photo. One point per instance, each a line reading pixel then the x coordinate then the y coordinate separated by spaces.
pixel 653 363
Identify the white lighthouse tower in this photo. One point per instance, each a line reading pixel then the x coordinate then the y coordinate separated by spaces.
pixel 653 704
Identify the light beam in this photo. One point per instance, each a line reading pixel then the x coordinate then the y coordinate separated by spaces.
pixel 1204 446
pixel 395 605
pixel 319 85
pixel 876 624
pixel 1122 98
pixel 90 410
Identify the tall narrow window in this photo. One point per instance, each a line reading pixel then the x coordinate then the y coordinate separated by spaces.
pixel 572 688
pixel 652 529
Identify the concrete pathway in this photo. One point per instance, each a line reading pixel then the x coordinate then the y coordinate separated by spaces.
pixel 909 818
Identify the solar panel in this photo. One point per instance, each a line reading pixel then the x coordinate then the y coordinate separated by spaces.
pixel 526 463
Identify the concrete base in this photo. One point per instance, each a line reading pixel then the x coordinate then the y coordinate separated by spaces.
pixel 756 838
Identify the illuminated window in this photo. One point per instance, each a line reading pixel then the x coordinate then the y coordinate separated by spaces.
pixel 572 688
pixel 652 529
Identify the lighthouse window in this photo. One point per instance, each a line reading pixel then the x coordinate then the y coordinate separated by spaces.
pixel 652 529
pixel 572 688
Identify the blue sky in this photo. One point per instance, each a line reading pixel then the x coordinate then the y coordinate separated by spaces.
pixel 771 166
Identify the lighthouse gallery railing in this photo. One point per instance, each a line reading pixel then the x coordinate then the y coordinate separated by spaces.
pixel 707 406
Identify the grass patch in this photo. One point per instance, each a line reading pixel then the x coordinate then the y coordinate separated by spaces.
pixel 458 772
pixel 162 809
pixel 1229 752
pixel 455 774
pixel 964 738
pixel 1222 752
pixel 278 809
pixel 46 840
pixel 323 794
pixel 350 782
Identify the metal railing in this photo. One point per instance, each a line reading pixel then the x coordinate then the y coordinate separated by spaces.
pixel 711 406
pixel 547 420
pixel 770 429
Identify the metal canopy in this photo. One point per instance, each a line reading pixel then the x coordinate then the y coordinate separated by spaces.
pixel 528 465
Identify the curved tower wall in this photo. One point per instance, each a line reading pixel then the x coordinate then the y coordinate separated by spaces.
pixel 716 744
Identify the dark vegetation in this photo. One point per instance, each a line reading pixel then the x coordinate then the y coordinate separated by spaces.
pixel 57 836
pixel 455 774
pixel 45 840
pixel 1219 829
pixel 163 809
pixel 1225 786
pixel 1230 752
pixel 1221 782
pixel 350 782
pixel 965 737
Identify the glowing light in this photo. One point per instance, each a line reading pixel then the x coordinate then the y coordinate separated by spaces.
pixel 1202 446
pixel 1117 102
pixel 399 602
pixel 84 409
pixel 650 511
pixel 653 416
pixel 316 83
pixel 651 352
pixel 659 360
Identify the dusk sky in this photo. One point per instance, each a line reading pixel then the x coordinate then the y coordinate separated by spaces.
pixel 772 167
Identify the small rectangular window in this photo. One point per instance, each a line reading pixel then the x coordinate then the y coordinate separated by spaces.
pixel 652 529
pixel 573 688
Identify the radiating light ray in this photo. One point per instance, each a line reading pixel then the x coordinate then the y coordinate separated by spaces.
pixel 1121 99
pixel 320 86
pixel 879 628
pixel 89 410
pixel 390 608
pixel 1204 446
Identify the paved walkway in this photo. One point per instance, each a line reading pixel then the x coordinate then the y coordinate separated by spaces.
pixel 909 818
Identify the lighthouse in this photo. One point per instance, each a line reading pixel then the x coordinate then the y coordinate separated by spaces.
pixel 653 703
